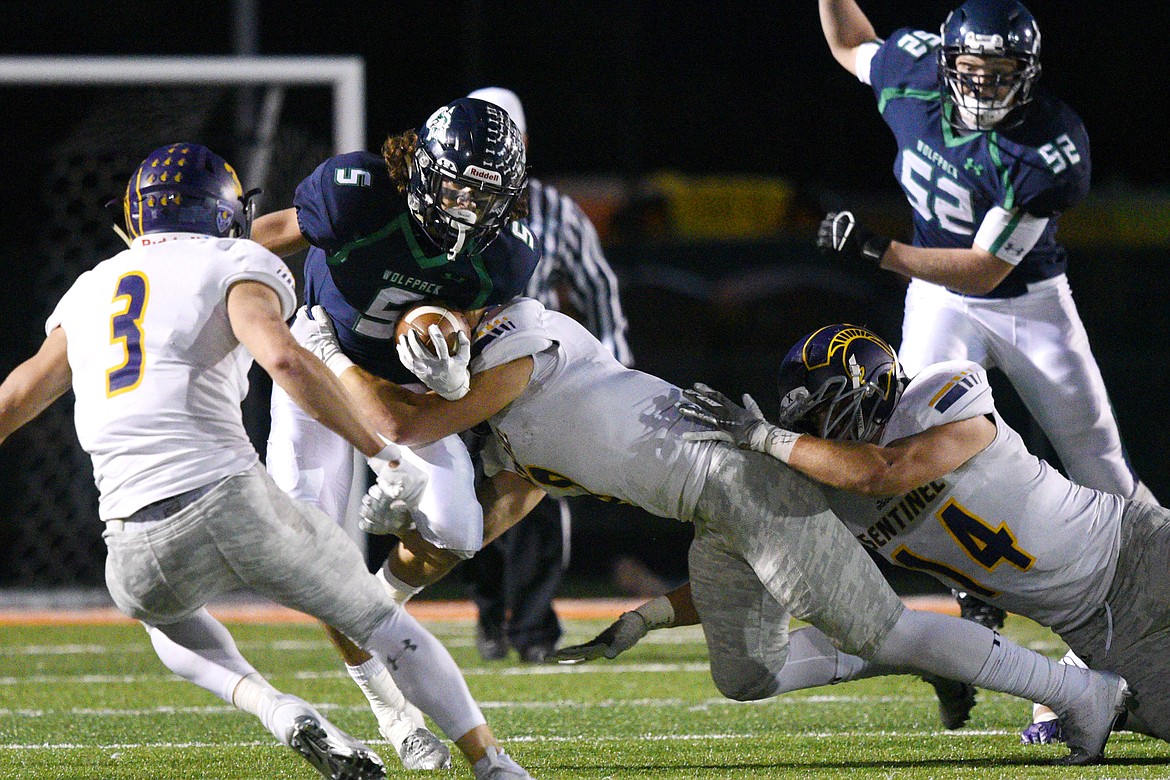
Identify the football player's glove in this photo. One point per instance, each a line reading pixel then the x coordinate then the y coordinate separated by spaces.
pixel 841 234
pixel 391 503
pixel 744 426
pixel 622 634
pixel 1042 733
pixel 441 371
pixel 315 332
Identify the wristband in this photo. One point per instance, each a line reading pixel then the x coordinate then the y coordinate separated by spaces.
pixel 390 452
pixel 337 362
pixel 773 440
pixel 875 247
pixel 658 613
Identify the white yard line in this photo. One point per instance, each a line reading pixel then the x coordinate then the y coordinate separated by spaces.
pixel 542 738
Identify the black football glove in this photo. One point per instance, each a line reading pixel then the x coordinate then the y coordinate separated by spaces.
pixel 841 234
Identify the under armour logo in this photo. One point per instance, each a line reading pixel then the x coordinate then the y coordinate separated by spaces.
pixel 971 165
pixel 407 646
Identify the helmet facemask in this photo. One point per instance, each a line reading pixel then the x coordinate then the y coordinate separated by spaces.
pixel 987 98
pixel 836 411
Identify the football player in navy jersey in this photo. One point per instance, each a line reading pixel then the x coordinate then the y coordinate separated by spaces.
pixel 988 161
pixel 433 217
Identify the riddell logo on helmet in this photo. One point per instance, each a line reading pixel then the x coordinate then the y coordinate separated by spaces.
pixel 985 43
pixel 483 174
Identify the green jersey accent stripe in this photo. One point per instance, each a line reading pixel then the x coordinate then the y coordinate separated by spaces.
pixel 401 223
pixel 892 93
pixel 1009 190
pixel 1007 232
pixel 485 281
pixel 949 137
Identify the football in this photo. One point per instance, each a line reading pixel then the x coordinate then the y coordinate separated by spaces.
pixel 422 315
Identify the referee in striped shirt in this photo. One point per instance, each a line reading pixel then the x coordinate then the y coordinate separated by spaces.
pixel 520 572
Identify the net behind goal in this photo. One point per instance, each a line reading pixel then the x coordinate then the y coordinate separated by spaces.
pixel 79 127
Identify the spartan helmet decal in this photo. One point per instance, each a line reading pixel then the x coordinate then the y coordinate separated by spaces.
pixel 839 382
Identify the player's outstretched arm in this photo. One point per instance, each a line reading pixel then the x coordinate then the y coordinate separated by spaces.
pixel 255 315
pixel 858 467
pixel 845 28
pixel 674 609
pixel 279 232
pixel 35 384
pixel 410 418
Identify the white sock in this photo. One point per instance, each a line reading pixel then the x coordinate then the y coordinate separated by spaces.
pixel 814 661
pixel 253 694
pixel 398 590
pixel 425 673
pixel 395 720
pixel 201 650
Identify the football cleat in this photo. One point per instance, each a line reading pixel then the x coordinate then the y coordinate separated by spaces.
pixel 423 750
pixel 1089 721
pixel 332 752
pixel 498 765
pixel 955 700
pixel 978 611
pixel 1042 733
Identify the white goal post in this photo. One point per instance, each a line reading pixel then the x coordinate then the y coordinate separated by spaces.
pixel 345 75
pixel 49 525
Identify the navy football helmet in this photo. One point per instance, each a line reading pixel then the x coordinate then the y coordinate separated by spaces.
pixel 190 189
pixel 839 382
pixel 990 29
pixel 467 170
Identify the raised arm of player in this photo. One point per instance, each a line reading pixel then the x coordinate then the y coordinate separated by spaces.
pixel 845 28
pixel 256 318
pixel 279 232
pixel 35 384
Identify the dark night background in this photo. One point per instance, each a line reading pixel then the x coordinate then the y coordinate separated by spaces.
pixel 621 90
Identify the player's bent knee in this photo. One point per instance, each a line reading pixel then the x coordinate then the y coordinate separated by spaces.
pixel 745 682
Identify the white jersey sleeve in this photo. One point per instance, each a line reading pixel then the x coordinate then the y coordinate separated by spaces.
pixel 248 261
pixel 586 424
pixel 940 394
pixel 1004 526
pixel 158 374
pixel 523 321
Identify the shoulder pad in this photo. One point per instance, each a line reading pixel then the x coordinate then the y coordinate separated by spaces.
pixel 512 331
pixel 939 394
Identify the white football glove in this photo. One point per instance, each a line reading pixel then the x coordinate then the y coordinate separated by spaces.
pixel 391 503
pixel 744 426
pixel 441 371
pixel 316 333
pixel 622 634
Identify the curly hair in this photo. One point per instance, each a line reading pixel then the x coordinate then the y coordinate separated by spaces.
pixel 398 151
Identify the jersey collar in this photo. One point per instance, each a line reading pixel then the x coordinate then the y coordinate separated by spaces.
pixel 153 239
